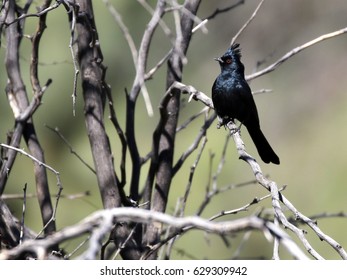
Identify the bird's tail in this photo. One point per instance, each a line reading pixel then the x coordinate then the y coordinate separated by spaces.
pixel 265 151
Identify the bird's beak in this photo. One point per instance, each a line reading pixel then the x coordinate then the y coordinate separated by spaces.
pixel 219 59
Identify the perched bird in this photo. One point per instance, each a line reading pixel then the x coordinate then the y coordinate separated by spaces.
pixel 232 99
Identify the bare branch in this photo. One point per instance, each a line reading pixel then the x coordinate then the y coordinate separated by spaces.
pixel 10 227
pixel 131 98
pixel 18 96
pixel 194 145
pixel 36 38
pixel 320 216
pixel 218 11
pixel 101 222
pixel 204 111
pixel 34 104
pixel 120 133
pixel 59 184
pixel 224 10
pixel 32 195
pixel 295 51
pixel 10 155
pixel 233 40
pixel 182 201
pixel 260 91
pixel 167 31
pixel 73 11
pixel 40 163
pixel 214 190
pixel 277 197
pixel 169 115
pixel 193 93
pixel 242 208
pixel 3 14
pixel 154 154
pixel 313 225
pixel 23 214
pixel 190 179
pixel 39 14
pixel 151 72
pixel 118 19
pixel 72 151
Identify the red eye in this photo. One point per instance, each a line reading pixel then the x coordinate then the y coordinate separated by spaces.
pixel 228 61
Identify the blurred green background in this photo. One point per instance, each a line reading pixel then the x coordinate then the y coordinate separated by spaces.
pixel 304 117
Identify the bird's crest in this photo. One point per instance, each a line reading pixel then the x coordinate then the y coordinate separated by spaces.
pixel 236 50
pixel 233 52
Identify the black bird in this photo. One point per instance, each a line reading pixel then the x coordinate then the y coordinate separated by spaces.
pixel 232 99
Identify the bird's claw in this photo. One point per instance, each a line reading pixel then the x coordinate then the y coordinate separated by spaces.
pixel 222 122
pixel 236 130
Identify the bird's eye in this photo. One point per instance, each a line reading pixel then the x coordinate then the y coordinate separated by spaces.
pixel 228 60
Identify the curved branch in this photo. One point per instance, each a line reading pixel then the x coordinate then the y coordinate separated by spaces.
pixel 100 223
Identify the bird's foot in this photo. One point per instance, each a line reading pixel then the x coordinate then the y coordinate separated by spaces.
pixel 223 122
pixel 236 129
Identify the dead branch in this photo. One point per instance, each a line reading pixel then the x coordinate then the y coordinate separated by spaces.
pixel 101 222
pixel 18 99
pixel 233 40
pixel 295 51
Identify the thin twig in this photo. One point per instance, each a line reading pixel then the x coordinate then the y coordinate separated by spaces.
pixel 167 31
pixel 73 10
pixel 194 145
pixel 120 132
pixel 191 175
pixel 313 225
pixel 200 25
pixel 33 195
pixel 128 38
pixel 260 91
pixel 241 245
pixel 122 246
pixel 320 216
pixel 40 163
pixel 72 151
pixel 212 191
pixel 224 10
pixel 244 207
pixel 183 200
pixel 79 246
pixel 150 73
pixel 183 10
pixel 233 40
pixel 34 104
pixel 191 118
pixel 23 214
